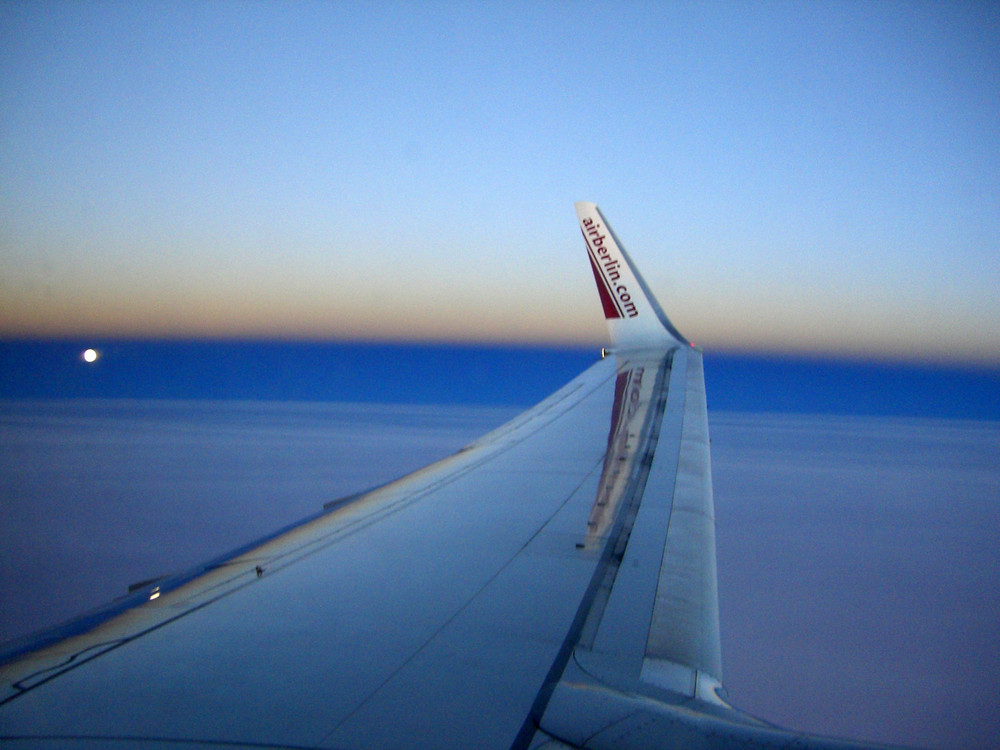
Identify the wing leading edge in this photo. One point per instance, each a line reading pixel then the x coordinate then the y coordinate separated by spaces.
pixel 553 584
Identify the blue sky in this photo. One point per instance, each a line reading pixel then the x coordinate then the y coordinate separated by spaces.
pixel 789 176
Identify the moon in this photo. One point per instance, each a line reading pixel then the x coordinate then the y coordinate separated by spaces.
pixel 90 355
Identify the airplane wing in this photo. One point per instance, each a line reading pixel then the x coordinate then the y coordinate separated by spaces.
pixel 553 584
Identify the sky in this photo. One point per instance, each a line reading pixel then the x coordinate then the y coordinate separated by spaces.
pixel 804 177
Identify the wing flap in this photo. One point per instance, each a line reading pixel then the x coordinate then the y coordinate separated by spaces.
pixel 685 624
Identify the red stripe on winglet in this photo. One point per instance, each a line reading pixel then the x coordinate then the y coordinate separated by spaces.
pixel 607 301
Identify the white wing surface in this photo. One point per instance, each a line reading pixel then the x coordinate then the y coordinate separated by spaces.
pixel 552 584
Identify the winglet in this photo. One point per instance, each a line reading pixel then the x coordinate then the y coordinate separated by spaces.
pixel 635 319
